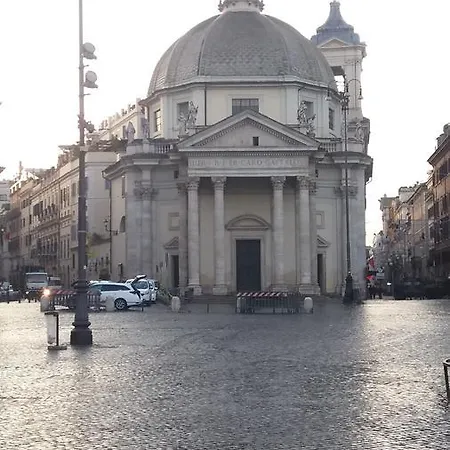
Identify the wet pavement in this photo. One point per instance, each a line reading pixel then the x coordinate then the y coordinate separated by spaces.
pixel 367 377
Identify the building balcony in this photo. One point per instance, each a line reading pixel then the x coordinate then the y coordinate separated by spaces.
pixel 331 145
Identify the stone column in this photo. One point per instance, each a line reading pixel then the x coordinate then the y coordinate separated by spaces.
pixel 220 287
pixel 313 239
pixel 304 235
pixel 183 238
pixel 278 234
pixel 193 236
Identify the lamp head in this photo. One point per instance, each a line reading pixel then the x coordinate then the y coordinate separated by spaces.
pixel 88 51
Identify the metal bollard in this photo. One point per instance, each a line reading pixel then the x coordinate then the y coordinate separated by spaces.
pixel 447 382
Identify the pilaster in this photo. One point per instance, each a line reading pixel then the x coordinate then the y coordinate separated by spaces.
pixel 313 238
pixel 144 192
pixel 183 235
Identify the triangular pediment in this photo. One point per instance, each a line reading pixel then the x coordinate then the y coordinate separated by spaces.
pixel 248 129
pixel 321 242
pixel 172 244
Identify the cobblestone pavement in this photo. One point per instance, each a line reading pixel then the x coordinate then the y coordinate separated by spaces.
pixel 364 377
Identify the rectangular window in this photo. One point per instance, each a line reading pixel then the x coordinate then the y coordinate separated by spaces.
pixel 331 119
pixel 309 109
pixel 73 232
pixel 157 120
pixel 255 141
pixel 182 109
pixel 242 104
pixel 123 186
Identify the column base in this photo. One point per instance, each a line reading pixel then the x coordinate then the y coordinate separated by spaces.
pixel 309 289
pixel 278 288
pixel 196 288
pixel 220 289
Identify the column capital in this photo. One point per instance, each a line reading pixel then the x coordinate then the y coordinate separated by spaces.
pixel 303 182
pixel 193 183
pixel 144 190
pixel 219 182
pixel 352 190
pixel 312 188
pixel 278 182
pixel 182 188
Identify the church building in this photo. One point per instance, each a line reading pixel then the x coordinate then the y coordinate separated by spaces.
pixel 236 178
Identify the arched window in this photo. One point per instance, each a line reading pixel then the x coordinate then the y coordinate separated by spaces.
pixel 123 225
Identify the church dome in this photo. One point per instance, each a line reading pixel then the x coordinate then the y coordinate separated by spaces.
pixel 240 43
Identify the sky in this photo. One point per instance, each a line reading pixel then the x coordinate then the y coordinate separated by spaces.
pixel 404 78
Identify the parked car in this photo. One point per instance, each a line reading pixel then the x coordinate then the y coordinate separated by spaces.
pixel 147 289
pixel 125 295
pixel 7 292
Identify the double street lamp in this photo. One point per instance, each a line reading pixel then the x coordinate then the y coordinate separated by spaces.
pixel 81 334
pixel 344 99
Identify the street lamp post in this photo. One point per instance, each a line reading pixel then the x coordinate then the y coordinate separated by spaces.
pixel 348 294
pixel 344 97
pixel 81 334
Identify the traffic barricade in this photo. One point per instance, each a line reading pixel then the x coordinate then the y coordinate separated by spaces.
pixel 264 302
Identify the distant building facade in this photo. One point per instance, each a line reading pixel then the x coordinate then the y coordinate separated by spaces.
pixel 41 225
pixel 439 212
pixel 402 248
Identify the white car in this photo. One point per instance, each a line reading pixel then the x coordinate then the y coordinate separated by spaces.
pixel 147 289
pixel 124 295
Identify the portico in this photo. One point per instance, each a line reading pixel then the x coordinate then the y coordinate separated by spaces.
pixel 274 253
pixel 251 197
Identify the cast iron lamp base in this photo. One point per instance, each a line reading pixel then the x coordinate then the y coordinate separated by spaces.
pixel 349 291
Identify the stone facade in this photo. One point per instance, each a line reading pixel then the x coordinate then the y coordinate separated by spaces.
pixel 240 182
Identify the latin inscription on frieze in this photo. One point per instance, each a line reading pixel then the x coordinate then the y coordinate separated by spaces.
pixel 245 163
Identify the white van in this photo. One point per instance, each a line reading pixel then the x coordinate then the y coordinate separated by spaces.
pixel 147 289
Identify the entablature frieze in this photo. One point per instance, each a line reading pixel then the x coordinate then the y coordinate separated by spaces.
pixel 249 165
pixel 135 162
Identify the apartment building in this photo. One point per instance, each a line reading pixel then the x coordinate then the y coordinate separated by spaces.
pixel 4 209
pixel 402 246
pixel 42 224
pixel 439 213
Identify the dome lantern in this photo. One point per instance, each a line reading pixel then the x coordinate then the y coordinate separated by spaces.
pixel 241 5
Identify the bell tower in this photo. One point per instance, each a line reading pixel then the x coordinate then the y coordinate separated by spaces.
pixel 344 51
